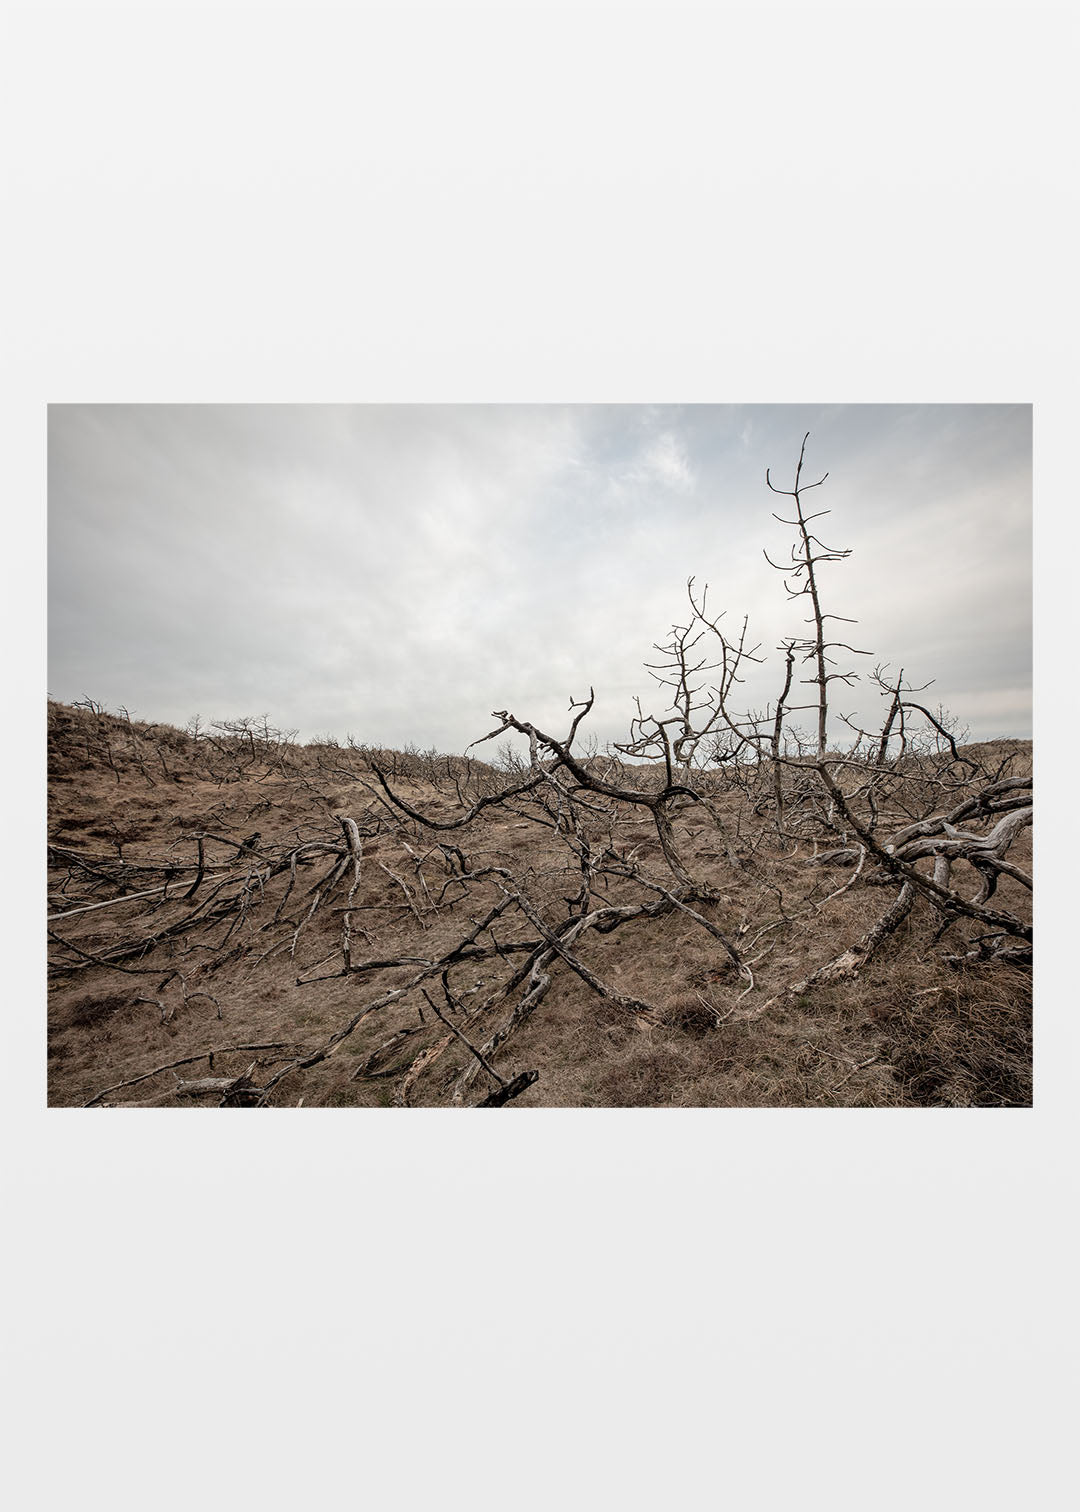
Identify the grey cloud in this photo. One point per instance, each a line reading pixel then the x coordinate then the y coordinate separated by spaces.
pixel 396 572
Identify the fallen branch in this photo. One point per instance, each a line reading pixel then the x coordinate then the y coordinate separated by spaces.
pixel 336 1039
pixel 187 1060
pixel 417 1069
pixel 510 1090
pixel 852 960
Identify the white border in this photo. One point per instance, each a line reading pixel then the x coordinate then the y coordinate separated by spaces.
pixel 496 203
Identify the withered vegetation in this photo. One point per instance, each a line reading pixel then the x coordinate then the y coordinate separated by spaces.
pixel 722 910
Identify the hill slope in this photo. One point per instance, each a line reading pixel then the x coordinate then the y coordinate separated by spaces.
pixel 235 919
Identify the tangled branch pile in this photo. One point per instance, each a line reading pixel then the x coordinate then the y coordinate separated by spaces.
pixel 722 909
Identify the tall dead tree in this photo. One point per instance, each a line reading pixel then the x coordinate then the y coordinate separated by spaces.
pixel 808 551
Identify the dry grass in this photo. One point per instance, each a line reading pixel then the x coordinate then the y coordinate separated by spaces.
pixel 908 1031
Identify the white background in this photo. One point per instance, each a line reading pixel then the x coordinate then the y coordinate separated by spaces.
pixel 538 203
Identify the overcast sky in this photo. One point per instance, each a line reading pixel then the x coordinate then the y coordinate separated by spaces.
pixel 398 572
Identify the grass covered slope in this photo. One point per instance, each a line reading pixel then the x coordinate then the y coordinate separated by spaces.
pixel 238 920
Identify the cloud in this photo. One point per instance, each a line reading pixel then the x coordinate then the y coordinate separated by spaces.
pixel 664 461
pixel 399 571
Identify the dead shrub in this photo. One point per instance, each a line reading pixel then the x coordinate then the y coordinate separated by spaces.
pixel 690 1012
